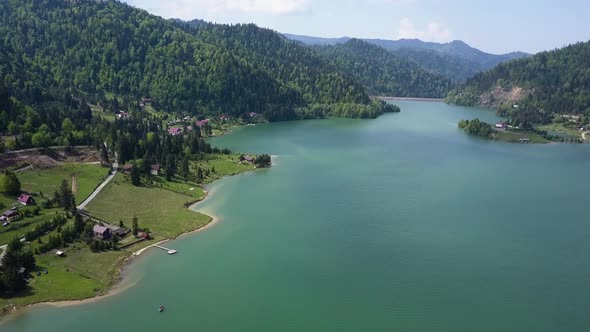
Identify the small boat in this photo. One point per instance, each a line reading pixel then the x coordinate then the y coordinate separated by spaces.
pixel 162 308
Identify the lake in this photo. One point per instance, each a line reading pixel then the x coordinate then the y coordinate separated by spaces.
pixel 402 223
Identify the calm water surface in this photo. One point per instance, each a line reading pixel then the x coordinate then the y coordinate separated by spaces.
pixel 402 223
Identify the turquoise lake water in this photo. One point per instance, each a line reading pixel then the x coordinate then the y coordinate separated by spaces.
pixel 402 223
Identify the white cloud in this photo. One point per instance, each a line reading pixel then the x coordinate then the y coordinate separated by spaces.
pixel 393 2
pixel 275 7
pixel 188 9
pixel 433 31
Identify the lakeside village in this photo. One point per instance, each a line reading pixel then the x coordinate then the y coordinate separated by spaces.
pixel 49 242
pixel 565 128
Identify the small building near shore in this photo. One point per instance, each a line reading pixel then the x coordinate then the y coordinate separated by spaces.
pixel 25 199
pixel 101 232
pixel 524 140
pixel 501 125
pixel 120 231
pixel 143 235
pixel 175 131
pixel 247 158
pixel 11 215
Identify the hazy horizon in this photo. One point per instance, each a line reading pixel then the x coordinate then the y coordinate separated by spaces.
pixel 493 27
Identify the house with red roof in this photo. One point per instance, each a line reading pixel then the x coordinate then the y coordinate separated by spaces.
pixel 143 235
pixel 123 115
pixel 127 168
pixel 101 232
pixel 155 169
pixel 25 199
pixel 501 125
pixel 10 215
pixel 202 122
pixel 175 131
pixel 247 158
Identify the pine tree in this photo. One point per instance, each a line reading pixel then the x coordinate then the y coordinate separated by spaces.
pixel 9 183
pixel 79 223
pixel 135 225
pixel 184 168
pixel 135 176
pixel 104 154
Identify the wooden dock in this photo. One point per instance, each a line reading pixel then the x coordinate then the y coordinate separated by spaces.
pixel 169 251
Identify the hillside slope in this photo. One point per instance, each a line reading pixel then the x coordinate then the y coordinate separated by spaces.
pixel 452 67
pixel 383 73
pixel 455 59
pixel 103 49
pixel 554 82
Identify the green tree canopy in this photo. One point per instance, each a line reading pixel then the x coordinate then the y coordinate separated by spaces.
pixel 9 183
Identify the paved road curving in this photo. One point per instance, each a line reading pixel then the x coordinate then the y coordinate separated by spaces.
pixel 82 205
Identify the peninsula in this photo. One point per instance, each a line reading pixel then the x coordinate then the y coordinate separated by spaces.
pixel 64 252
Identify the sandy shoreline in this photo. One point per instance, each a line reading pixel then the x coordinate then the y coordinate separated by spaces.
pixel 123 283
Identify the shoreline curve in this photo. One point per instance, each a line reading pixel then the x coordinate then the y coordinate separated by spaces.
pixel 122 282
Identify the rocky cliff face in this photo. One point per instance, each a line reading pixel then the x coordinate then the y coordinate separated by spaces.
pixel 503 95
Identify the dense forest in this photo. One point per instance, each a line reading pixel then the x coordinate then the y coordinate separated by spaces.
pixel 46 121
pixel 447 65
pixel 550 82
pixel 383 73
pixel 97 50
pixel 455 60
pixel 456 48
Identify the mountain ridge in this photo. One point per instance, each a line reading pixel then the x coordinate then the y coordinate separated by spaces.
pixel 456 59
pixel 98 50
pixel 383 73
pixel 549 82
pixel 392 43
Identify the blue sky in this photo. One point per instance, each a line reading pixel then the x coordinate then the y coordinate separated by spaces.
pixel 495 26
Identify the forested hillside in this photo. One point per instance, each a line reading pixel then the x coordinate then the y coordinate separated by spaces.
pixel 549 82
pixel 449 66
pixel 456 60
pixel 383 73
pixel 97 50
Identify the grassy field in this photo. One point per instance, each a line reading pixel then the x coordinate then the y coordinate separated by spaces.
pixel 160 210
pixel 16 228
pixel 225 165
pixel 99 112
pixel 151 110
pixel 80 274
pixel 562 130
pixel 159 207
pixel 179 186
pixel 514 137
pixel 88 176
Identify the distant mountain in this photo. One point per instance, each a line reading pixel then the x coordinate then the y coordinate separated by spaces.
pixel 308 40
pixel 450 66
pixel 383 73
pixel 455 48
pixel 549 82
pixel 460 59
